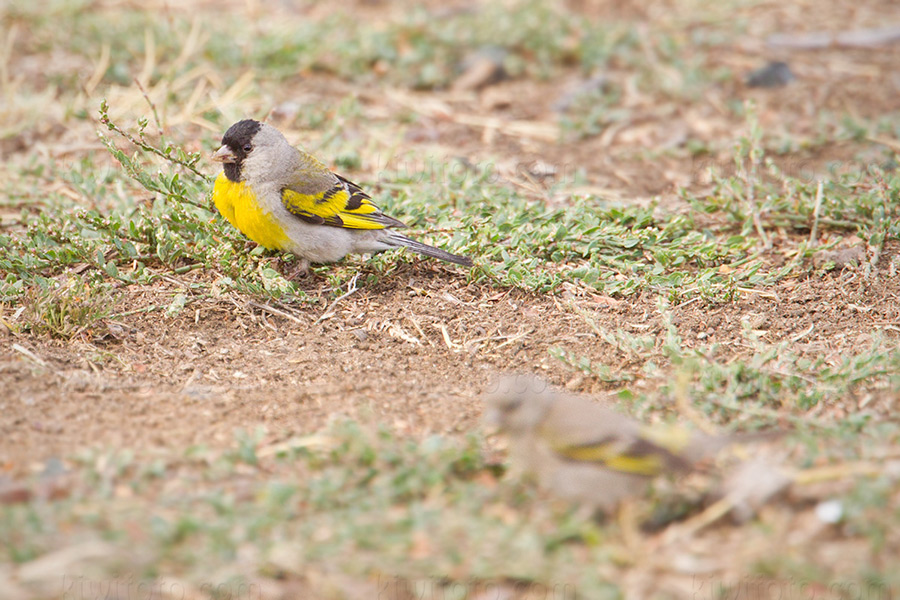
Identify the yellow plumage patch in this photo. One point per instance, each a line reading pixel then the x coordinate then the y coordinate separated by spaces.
pixel 336 207
pixel 238 204
pixel 614 457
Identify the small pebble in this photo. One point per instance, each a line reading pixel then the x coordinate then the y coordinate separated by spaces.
pixel 830 511
pixel 481 68
pixel 842 258
pixel 775 74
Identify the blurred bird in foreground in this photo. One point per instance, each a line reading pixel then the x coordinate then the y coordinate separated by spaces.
pixel 586 452
pixel 285 199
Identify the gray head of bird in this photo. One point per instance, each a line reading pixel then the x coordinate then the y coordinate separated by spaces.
pixel 249 145
pixel 517 403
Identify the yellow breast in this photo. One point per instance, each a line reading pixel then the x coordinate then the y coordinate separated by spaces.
pixel 238 204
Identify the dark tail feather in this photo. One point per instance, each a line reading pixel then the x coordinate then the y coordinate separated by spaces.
pixel 426 250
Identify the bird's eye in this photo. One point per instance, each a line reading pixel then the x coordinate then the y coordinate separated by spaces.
pixel 247 148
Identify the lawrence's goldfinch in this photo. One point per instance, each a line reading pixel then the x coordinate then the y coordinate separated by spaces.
pixel 586 452
pixel 285 199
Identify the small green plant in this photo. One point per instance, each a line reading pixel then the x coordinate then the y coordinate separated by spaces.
pixel 585 365
pixel 592 111
pixel 68 309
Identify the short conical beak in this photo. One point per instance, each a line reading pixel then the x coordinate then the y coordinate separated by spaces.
pixel 224 155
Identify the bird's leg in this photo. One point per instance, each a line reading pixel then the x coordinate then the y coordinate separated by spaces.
pixel 299 269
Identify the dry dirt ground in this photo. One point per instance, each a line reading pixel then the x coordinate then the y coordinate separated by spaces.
pixel 415 352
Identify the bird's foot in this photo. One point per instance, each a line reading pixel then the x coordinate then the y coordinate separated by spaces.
pixel 294 270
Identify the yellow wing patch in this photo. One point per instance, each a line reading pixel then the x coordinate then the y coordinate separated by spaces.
pixel 342 205
pixel 612 455
pixel 237 203
pixel 642 454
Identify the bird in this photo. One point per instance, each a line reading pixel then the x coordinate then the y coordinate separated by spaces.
pixel 287 200
pixel 587 452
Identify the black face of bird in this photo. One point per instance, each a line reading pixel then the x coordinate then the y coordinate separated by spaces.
pixel 237 143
